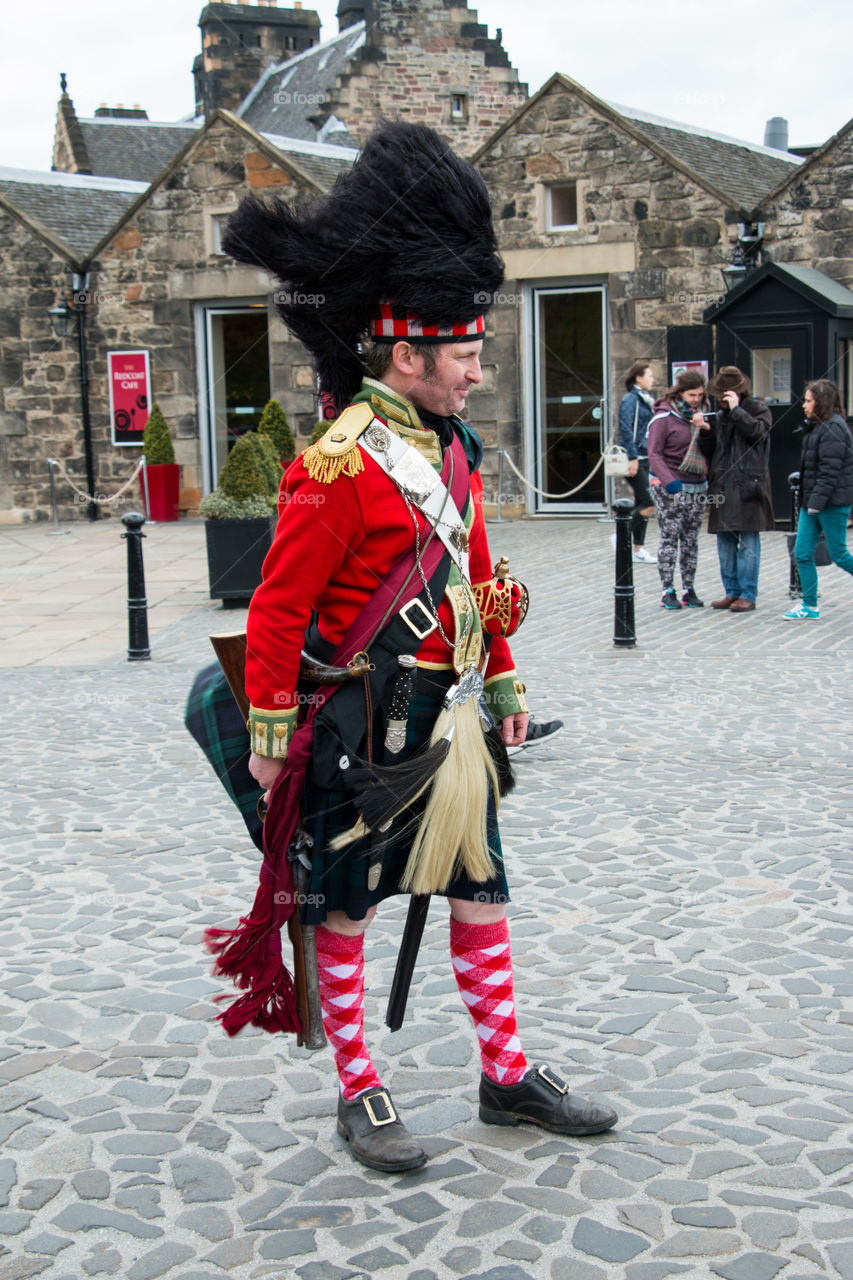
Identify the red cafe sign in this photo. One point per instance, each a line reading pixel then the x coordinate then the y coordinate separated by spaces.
pixel 130 395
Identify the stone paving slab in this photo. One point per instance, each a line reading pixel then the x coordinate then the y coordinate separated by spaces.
pixel 679 859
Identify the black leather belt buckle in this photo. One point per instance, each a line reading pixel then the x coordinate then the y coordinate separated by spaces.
pixel 418 619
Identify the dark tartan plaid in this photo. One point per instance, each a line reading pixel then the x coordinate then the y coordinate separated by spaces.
pixel 214 720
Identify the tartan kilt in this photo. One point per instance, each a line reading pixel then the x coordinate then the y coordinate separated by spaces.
pixel 214 720
pixel 338 880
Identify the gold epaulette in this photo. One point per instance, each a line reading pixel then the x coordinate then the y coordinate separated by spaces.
pixel 337 453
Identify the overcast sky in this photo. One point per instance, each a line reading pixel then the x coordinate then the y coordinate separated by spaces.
pixel 727 66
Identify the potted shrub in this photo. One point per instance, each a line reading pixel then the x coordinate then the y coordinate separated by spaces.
pixel 162 475
pixel 275 427
pixel 238 517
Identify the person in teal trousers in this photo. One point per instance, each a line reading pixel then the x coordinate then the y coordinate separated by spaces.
pixel 826 489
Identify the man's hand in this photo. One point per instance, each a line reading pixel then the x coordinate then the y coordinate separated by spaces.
pixel 633 466
pixel 731 400
pixel 264 770
pixel 514 728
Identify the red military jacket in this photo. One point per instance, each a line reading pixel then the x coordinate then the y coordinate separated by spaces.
pixel 341 528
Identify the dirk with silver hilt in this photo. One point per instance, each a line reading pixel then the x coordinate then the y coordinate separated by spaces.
pixel 395 740
pixel 398 710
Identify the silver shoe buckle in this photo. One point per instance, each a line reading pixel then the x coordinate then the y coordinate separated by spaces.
pixel 552 1079
pixel 376 1120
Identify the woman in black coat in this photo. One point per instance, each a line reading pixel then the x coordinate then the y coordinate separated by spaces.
pixel 738 451
pixel 826 489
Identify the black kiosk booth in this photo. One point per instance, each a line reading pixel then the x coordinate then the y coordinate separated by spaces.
pixel 785 325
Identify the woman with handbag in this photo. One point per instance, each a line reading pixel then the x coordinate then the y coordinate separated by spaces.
pixel 678 483
pixel 635 413
pixel 826 489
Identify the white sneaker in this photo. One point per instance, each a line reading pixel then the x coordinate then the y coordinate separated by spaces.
pixel 644 557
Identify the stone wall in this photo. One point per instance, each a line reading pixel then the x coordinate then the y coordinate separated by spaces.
pixel 811 222
pixel 39 384
pixel 418 55
pixel 143 291
pixel 653 236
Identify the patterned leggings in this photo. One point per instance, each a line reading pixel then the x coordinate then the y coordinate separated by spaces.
pixel 679 519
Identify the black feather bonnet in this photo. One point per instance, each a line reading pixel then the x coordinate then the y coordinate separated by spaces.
pixel 410 222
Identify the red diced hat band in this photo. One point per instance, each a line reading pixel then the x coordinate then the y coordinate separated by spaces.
pixel 390 324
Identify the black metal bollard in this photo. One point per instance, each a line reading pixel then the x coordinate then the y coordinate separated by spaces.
pixel 137 605
pixel 624 633
pixel 794 586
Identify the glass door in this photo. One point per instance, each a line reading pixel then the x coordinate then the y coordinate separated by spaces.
pixel 569 396
pixel 237 377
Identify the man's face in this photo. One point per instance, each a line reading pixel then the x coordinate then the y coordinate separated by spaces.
pixel 457 369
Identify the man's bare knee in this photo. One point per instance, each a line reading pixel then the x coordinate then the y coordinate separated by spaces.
pixel 339 922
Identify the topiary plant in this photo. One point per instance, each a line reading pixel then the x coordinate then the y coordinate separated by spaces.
pixel 248 482
pixel 275 426
pixel 157 447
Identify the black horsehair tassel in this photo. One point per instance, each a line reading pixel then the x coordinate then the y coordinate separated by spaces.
pixel 500 759
pixel 391 788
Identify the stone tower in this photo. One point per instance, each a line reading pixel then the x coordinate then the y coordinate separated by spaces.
pixel 430 61
pixel 238 43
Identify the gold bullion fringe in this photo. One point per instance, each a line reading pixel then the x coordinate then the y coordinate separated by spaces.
pixel 324 469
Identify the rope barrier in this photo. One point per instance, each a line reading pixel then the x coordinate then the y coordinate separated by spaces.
pixel 88 497
pixel 542 492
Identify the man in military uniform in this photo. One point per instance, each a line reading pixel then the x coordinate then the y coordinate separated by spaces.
pixel 387 505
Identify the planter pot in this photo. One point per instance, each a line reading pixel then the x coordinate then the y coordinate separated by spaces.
pixel 164 486
pixel 235 554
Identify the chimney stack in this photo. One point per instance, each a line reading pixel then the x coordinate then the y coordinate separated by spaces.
pixel 776 133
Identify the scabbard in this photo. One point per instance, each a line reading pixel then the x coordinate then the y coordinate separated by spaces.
pixel 316 1036
pixel 294 932
pixel 409 946
pixel 308 995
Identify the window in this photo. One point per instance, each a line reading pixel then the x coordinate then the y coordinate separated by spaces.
pixel 217 226
pixel 562 207
pixel 214 226
pixel 771 374
pixel 459 106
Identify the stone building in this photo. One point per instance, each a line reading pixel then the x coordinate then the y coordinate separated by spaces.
pixel 145 266
pixel 614 226
pixel 127 228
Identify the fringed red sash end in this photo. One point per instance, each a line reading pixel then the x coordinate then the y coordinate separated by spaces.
pixel 270 1004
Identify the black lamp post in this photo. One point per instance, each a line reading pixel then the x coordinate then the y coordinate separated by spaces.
pixel 750 236
pixel 735 271
pixel 63 317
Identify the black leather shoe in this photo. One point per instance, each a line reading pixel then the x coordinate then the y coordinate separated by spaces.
pixel 543 1098
pixel 375 1136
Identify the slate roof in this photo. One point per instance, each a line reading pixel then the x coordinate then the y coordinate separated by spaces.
pixel 79 209
pixel 319 161
pixel 133 149
pixel 744 172
pixel 290 92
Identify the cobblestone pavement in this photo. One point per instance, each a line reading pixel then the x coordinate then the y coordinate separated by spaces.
pixel 680 864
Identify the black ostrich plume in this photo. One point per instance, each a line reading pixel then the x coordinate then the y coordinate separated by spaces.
pixel 410 222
